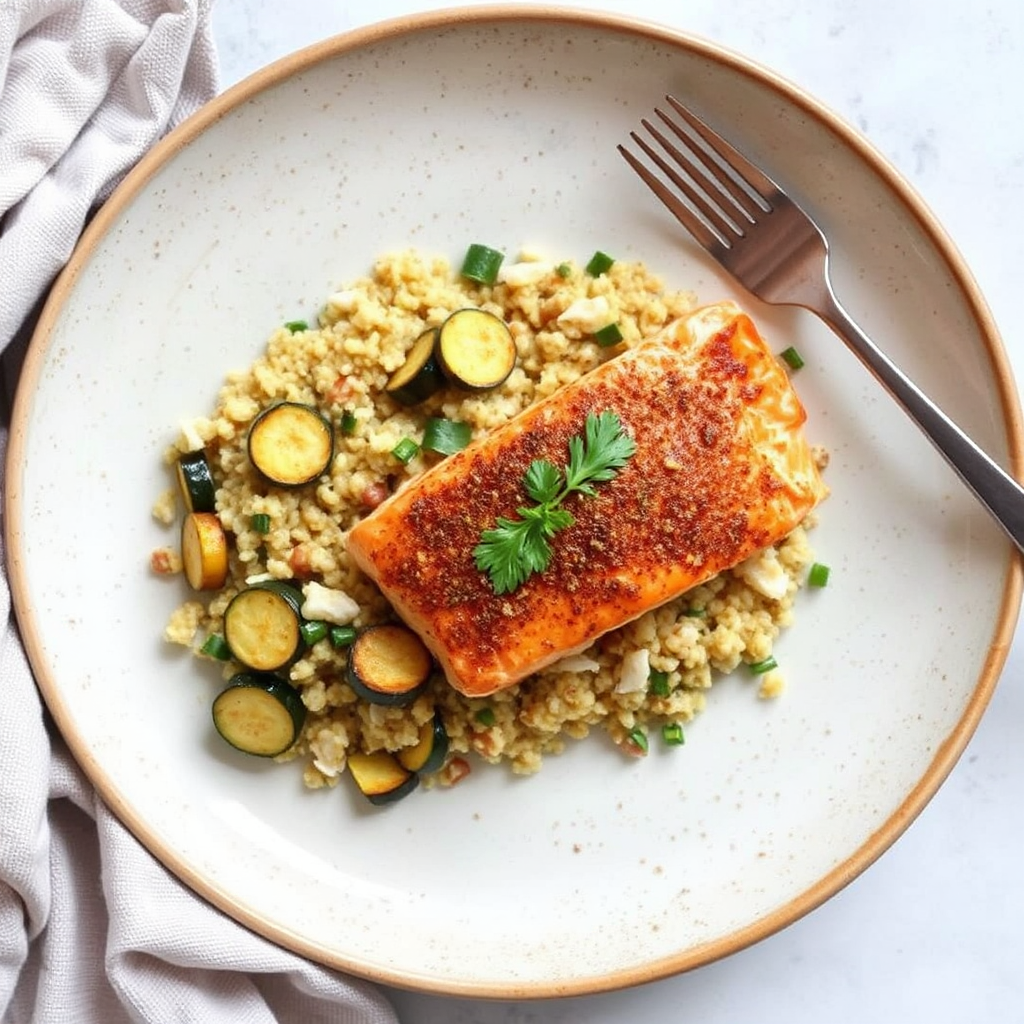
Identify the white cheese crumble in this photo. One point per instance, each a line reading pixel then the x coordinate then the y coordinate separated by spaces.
pixel 764 573
pixel 635 672
pixel 323 604
pixel 588 315
pixel 524 274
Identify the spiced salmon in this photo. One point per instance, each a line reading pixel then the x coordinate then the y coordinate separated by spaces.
pixel 721 469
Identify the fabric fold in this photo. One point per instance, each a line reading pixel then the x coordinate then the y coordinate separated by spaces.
pixel 92 927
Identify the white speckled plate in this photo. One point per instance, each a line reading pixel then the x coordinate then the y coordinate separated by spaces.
pixel 500 125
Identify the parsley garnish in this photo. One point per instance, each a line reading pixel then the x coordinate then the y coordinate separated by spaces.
pixel 514 549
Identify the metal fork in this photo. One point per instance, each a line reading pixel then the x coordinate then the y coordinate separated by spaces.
pixel 775 250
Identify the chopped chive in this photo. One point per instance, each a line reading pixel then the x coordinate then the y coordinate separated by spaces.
pixel 485 716
pixel 260 522
pixel 636 739
pixel 760 667
pixel 348 423
pixel 215 646
pixel 295 326
pixel 657 683
pixel 672 734
pixel 446 436
pixel 481 263
pixel 342 636
pixel 563 270
pixel 600 263
pixel 313 631
pixel 610 334
pixel 406 449
pixel 818 575
pixel 792 358
pixel 696 613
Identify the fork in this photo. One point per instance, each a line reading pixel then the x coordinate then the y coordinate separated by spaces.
pixel 777 252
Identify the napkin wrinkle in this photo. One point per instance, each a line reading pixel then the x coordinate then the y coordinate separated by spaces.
pixel 92 927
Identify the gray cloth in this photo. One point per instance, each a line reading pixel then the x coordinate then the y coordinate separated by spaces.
pixel 92 927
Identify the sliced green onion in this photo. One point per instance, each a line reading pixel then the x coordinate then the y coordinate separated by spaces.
pixel 481 263
pixel 636 738
pixel 260 522
pixel 696 613
pixel 342 636
pixel 792 358
pixel 406 449
pixel 313 631
pixel 295 326
pixel 672 734
pixel 600 263
pixel 818 575
pixel 215 646
pixel 446 436
pixel 563 270
pixel 657 683
pixel 348 422
pixel 610 334
pixel 485 716
pixel 760 667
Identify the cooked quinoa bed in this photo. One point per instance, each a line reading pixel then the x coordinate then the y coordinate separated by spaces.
pixel 341 365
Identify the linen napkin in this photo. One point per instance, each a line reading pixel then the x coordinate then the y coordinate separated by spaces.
pixel 92 928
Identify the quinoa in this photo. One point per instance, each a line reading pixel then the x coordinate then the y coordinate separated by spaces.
pixel 341 365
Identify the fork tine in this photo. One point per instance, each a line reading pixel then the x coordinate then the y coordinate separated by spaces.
pixel 676 206
pixel 713 216
pixel 723 185
pixel 753 176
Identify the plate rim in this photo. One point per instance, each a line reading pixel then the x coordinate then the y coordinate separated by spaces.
pixel 335 46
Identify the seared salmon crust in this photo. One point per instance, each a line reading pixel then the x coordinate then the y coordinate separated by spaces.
pixel 721 470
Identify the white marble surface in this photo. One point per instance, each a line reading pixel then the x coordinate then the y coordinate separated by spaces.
pixel 934 931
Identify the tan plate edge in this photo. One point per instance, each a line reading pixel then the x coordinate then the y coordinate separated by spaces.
pixel 945 757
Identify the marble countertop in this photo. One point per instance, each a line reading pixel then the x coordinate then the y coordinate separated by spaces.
pixel 934 931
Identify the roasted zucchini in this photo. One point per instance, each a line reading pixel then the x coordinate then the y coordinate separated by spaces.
pixel 380 778
pixel 291 444
pixel 263 626
pixel 476 349
pixel 259 714
pixel 388 664
pixel 196 482
pixel 419 376
pixel 204 551
pixel 429 753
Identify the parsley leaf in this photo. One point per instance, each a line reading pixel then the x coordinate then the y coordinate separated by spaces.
pixel 514 549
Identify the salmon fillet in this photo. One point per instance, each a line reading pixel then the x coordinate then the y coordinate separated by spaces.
pixel 721 470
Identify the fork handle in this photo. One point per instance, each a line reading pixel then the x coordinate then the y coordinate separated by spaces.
pixel 999 492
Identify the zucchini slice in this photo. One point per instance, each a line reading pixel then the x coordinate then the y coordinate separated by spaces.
pixel 428 754
pixel 419 376
pixel 388 664
pixel 263 625
pixel 196 482
pixel 204 551
pixel 476 349
pixel 259 714
pixel 291 444
pixel 380 778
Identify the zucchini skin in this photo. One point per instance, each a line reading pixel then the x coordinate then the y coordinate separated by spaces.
pixel 241 645
pixel 428 755
pixel 204 551
pixel 388 664
pixel 380 778
pixel 195 479
pixel 273 448
pixel 476 349
pixel 259 714
pixel 420 375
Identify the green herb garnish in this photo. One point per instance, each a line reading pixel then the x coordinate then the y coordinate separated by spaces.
pixel 297 326
pixel 514 549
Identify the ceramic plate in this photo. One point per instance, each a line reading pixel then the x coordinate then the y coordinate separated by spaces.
pixel 500 125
